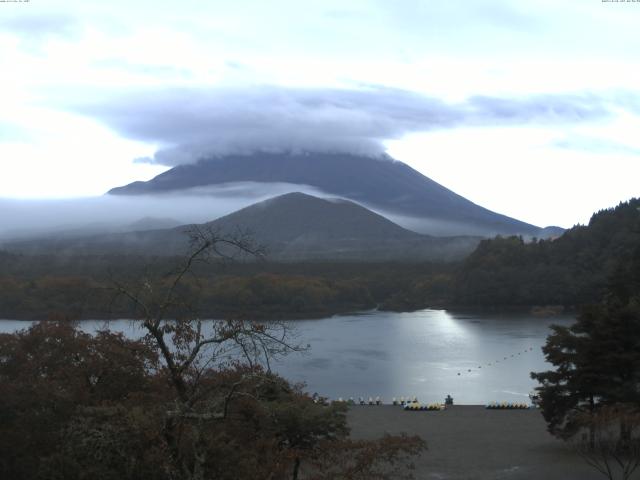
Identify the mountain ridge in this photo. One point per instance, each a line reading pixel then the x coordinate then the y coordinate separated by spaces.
pixel 292 227
pixel 383 184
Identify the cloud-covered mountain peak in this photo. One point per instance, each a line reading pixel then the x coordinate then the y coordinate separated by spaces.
pixel 387 186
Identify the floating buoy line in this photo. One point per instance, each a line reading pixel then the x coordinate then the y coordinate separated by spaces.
pixel 412 403
pixel 490 364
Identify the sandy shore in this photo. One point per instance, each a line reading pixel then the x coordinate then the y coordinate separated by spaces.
pixel 470 442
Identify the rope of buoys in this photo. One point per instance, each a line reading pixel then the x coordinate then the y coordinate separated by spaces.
pixel 529 349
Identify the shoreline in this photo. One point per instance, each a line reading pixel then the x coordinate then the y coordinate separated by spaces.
pixel 533 310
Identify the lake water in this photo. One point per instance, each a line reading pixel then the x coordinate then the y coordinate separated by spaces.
pixel 476 358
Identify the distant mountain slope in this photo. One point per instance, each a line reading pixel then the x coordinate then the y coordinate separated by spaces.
pixel 300 226
pixel 288 217
pixel 573 269
pixel 384 184
pixel 294 226
pixel 150 223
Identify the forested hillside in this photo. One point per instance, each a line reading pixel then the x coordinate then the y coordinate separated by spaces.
pixel 43 286
pixel 570 270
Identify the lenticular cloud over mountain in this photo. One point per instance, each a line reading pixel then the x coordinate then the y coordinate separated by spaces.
pixel 194 123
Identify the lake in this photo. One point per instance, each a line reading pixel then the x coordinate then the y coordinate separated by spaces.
pixel 476 358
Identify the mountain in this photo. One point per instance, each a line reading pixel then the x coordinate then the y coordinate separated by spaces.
pixel 293 226
pixel 388 186
pixel 300 226
pixel 290 217
pixel 151 223
pixel 550 232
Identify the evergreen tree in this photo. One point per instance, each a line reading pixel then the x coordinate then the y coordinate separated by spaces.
pixel 597 359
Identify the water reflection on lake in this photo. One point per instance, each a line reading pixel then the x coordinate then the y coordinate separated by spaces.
pixel 431 353
pixel 476 358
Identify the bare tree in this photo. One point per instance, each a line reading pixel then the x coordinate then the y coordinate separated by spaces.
pixel 189 347
pixel 612 445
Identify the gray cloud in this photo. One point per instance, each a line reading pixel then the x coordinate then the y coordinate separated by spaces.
pixel 473 15
pixel 595 145
pixel 192 123
pixel 12 132
pixel 540 108
pixel 32 27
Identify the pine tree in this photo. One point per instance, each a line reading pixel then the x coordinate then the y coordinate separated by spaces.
pixel 597 359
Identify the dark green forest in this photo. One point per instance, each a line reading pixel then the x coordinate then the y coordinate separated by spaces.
pixel 37 287
pixel 571 270
pixel 590 397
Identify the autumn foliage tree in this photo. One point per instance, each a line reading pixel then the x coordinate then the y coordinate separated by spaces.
pixel 46 372
pixel 189 400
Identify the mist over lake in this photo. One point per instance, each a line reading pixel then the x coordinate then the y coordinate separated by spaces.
pixel 405 354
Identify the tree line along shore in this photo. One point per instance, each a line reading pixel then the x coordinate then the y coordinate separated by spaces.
pixel 503 272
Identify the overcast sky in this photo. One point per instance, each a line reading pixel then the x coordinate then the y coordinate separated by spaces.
pixel 529 108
